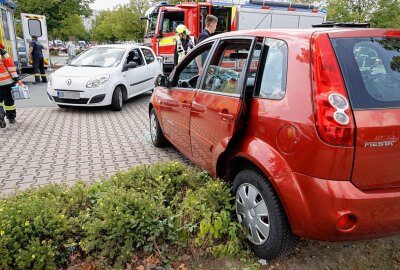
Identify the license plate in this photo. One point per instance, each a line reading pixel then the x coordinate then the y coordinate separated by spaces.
pixel 70 95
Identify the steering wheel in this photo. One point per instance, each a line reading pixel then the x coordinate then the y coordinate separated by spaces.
pixel 188 83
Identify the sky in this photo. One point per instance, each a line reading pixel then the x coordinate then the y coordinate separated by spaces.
pixel 107 4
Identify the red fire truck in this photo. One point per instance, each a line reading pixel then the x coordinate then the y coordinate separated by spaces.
pixel 162 19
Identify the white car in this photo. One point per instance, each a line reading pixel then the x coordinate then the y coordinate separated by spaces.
pixel 104 75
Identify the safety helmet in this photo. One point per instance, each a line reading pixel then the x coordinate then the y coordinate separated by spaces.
pixel 182 29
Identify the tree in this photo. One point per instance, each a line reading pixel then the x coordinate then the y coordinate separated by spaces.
pixel 121 24
pixel 71 26
pixel 55 11
pixel 387 15
pixel 351 10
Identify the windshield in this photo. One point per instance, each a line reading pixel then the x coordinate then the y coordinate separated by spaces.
pixel 99 57
pixel 151 25
pixel 172 20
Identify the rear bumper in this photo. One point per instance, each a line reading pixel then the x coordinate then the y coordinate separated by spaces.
pixel 314 206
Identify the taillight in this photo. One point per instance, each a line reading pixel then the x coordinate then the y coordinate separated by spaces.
pixel 334 118
pixel 393 33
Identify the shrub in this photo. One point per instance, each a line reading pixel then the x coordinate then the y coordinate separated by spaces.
pixel 162 209
pixel 54 52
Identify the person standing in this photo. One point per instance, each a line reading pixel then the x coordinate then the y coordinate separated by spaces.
pixel 211 26
pixel 71 50
pixel 36 54
pixel 183 43
pixel 8 77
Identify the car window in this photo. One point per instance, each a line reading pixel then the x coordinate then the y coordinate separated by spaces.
pixel 99 57
pixel 148 55
pixel 135 56
pixel 273 78
pixel 188 72
pixel 226 67
pixel 371 70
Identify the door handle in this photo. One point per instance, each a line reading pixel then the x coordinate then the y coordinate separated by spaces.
pixel 226 116
pixel 185 104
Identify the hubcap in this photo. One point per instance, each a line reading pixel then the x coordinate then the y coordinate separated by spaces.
pixel 252 212
pixel 153 126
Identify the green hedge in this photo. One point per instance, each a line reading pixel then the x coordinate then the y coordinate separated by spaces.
pixel 166 209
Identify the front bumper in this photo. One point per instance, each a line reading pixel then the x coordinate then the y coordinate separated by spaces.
pixel 89 97
pixel 314 207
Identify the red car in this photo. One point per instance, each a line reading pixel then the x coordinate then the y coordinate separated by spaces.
pixel 305 123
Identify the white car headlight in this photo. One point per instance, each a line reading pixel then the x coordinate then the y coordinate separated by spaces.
pixel 97 81
pixel 51 78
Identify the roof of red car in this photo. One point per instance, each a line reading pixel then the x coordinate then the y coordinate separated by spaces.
pixel 306 33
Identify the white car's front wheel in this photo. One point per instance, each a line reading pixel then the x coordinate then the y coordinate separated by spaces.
pixel 117 101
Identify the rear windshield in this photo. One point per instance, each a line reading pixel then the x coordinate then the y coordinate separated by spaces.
pixel 371 69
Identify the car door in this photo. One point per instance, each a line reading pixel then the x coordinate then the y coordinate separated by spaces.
pixel 153 67
pixel 175 102
pixel 136 77
pixel 217 104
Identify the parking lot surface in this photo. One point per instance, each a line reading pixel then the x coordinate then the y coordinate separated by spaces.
pixel 54 145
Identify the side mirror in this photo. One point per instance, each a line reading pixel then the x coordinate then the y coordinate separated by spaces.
pixel 130 65
pixel 162 80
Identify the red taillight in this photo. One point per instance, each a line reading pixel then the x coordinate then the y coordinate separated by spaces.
pixel 291 9
pixel 393 33
pixel 334 118
pixel 265 7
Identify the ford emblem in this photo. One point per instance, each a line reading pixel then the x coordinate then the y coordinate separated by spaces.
pixel 69 82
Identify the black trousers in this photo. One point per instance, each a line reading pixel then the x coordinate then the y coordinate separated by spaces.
pixel 7 104
pixel 38 68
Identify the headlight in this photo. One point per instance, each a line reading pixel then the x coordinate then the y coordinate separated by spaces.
pixel 51 80
pixel 97 81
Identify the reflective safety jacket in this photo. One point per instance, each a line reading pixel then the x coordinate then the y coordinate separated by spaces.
pixel 8 71
pixel 183 47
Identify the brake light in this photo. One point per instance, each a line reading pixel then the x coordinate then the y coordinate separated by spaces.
pixel 291 9
pixel 334 118
pixel 393 33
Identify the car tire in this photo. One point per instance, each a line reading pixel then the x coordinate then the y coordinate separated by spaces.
pixel 257 204
pixel 157 136
pixel 117 101
pixel 63 106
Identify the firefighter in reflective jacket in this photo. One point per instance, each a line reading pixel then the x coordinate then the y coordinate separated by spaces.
pixel 8 78
pixel 183 43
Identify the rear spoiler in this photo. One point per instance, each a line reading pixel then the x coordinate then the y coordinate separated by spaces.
pixel 339 25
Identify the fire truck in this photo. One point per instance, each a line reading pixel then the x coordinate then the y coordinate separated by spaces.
pixel 163 18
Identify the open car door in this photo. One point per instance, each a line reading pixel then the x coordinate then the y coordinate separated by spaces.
pixel 218 104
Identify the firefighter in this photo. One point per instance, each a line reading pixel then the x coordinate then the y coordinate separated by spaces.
pixel 183 43
pixel 36 54
pixel 8 77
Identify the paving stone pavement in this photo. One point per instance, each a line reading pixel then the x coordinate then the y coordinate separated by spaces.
pixel 53 145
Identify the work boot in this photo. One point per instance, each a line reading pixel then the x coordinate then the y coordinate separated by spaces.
pixel 36 82
pixel 44 81
pixel 2 121
pixel 12 121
